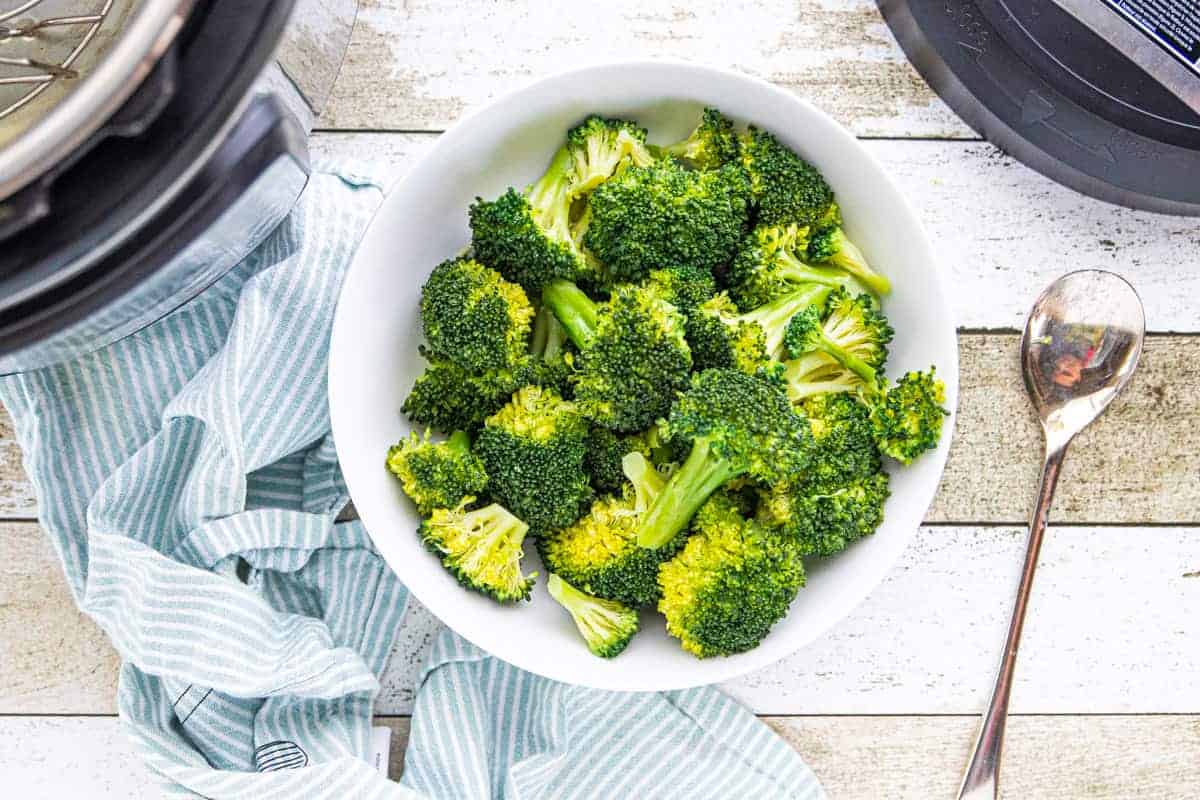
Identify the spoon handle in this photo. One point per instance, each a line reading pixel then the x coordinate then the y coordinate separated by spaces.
pixel 982 778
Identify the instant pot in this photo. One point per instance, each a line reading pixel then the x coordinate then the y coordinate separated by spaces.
pixel 1101 95
pixel 146 147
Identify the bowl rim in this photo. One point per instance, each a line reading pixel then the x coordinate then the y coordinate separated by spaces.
pixel 719 670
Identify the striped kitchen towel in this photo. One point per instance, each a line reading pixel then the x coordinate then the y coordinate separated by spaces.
pixel 188 480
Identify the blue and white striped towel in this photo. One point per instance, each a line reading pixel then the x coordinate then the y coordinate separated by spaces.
pixel 188 480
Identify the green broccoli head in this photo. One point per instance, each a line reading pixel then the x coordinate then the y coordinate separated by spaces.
pixel 851 330
pixel 606 625
pixel 685 287
pixel 633 354
pixel 730 583
pixel 437 474
pixel 665 216
pixel 533 449
pixel 775 316
pixel 482 548
pixel 738 425
pixel 474 317
pixel 844 438
pixel 529 237
pixel 831 246
pixel 719 338
pixel 600 553
pixel 606 451
pixel 786 188
pixel 713 144
pixel 825 519
pixel 601 147
pixel 769 265
pixel 907 418
pixel 448 397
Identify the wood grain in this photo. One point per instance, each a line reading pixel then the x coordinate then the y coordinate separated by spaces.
pixel 856 758
pixel 1109 476
pixel 1113 627
pixel 419 64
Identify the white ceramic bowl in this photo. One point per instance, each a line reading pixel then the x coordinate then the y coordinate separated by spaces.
pixel 423 220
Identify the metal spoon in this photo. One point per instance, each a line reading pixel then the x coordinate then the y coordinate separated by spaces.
pixel 1080 347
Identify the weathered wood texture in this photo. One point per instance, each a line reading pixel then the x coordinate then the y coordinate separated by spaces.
pixel 1002 231
pixel 417 64
pixel 857 758
pixel 996 452
pixel 1114 622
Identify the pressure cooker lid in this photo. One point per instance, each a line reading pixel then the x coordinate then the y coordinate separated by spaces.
pixel 65 67
pixel 1103 96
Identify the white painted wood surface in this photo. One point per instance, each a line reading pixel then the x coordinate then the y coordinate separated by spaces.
pixel 857 758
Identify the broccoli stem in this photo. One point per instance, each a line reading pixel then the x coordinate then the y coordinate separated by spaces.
pixel 848 360
pixel 796 271
pixel 459 441
pixel 548 336
pixel 773 317
pixel 685 491
pixel 573 309
pixel 847 256
pixel 647 483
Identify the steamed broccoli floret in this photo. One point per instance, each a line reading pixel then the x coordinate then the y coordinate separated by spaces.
pixel 738 425
pixel 667 216
pixel 851 331
pixel 606 451
pixel 730 583
pixel 599 147
pixel 907 418
pixel 786 188
pixel 712 144
pixel 768 265
pixel 482 548
pixel 529 237
pixel 533 450
pixel 720 339
pixel 448 397
pixel 605 625
pixel 773 318
pixel 437 474
pixel 633 355
pixel 844 438
pixel 831 246
pixel 825 518
pixel 600 553
pixel 474 317
pixel 685 287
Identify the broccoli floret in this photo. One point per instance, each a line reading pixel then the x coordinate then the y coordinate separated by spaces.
pixel 831 246
pixel 719 339
pixel 768 265
pixel 448 397
pixel 712 144
pixel 529 237
pixel 437 474
pixel 845 440
pixel 665 216
pixel 533 450
pixel 633 355
pixel 474 317
pixel 482 548
pixel 825 518
pixel 600 553
pixel 731 582
pixel 605 452
pixel 685 287
pixel 738 425
pixel 907 418
pixel 851 331
pixel 773 318
pixel 786 188
pixel 605 625
pixel 600 147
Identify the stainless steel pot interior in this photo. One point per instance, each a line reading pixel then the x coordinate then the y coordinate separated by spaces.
pixel 65 67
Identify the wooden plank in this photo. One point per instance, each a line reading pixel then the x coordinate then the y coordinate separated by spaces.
pixel 1136 465
pixel 418 64
pixel 1112 629
pixel 856 758
pixel 1002 231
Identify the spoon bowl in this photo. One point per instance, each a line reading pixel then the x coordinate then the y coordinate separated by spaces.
pixel 1080 347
